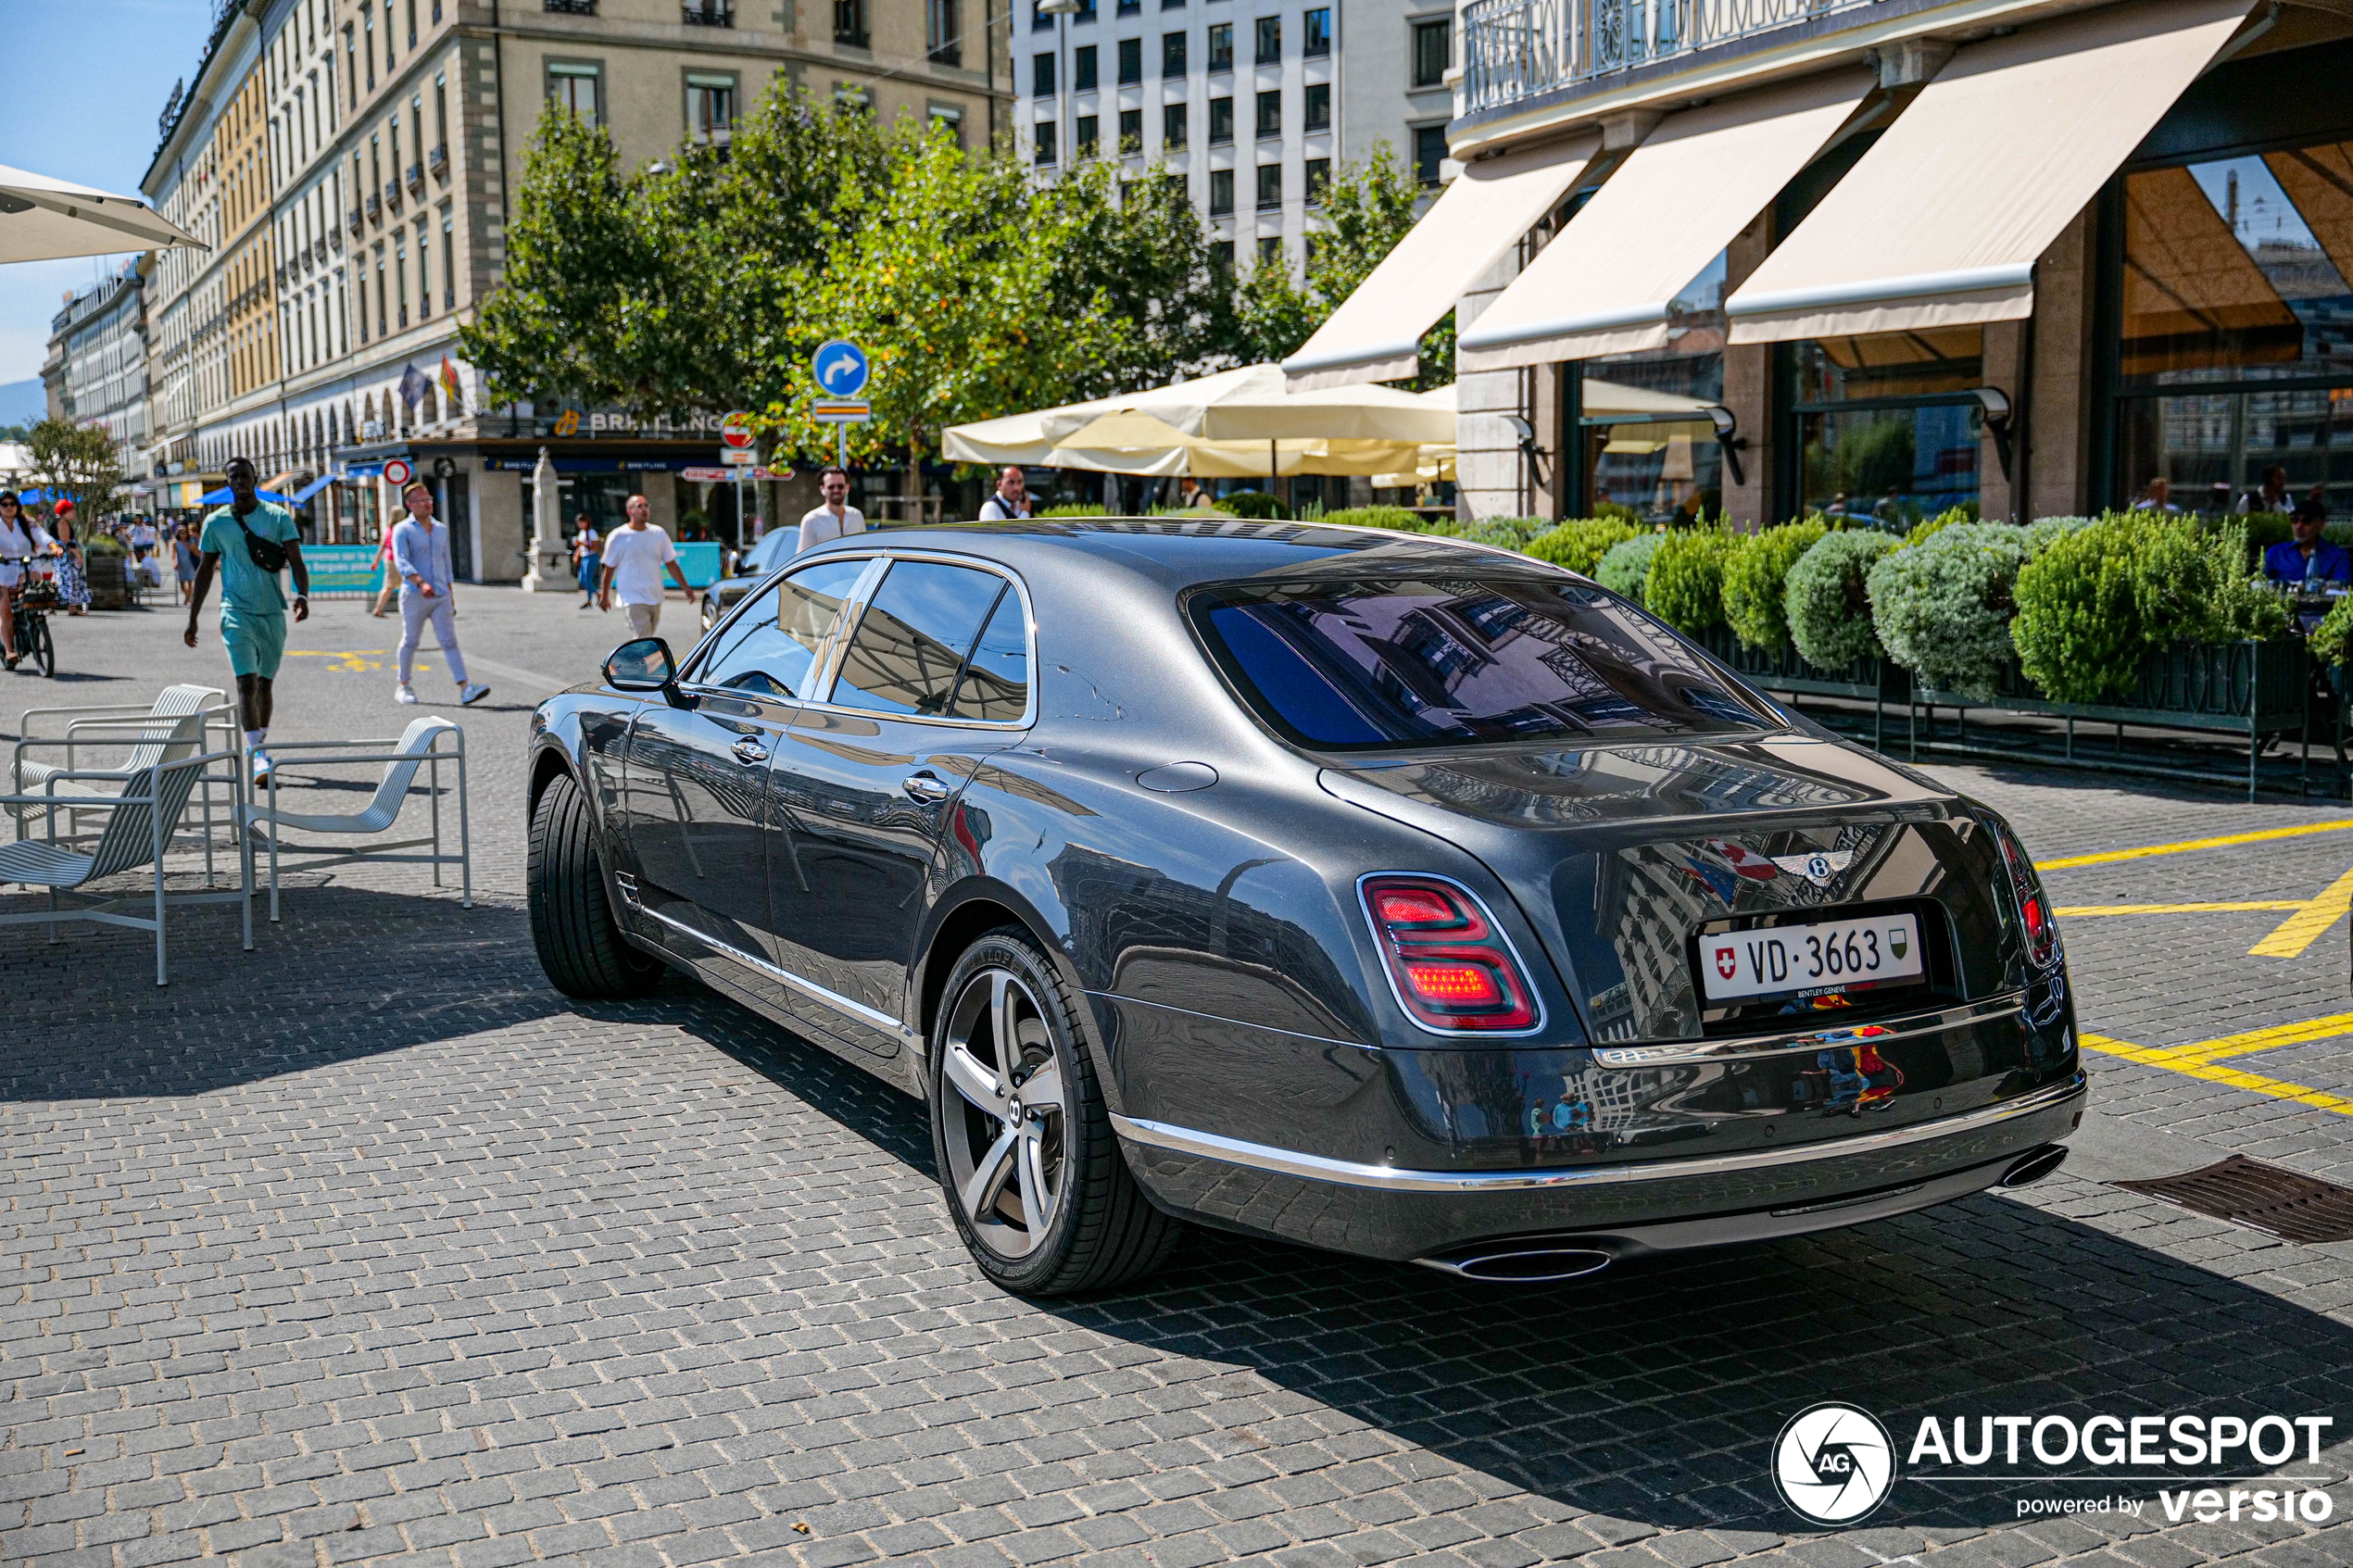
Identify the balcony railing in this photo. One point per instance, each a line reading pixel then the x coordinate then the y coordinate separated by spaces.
pixel 438 161
pixel 709 13
pixel 416 179
pixel 1514 49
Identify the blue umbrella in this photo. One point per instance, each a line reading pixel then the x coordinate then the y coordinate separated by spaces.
pixel 313 488
pixel 222 496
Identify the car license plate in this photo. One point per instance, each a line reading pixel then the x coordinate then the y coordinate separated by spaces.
pixel 1829 955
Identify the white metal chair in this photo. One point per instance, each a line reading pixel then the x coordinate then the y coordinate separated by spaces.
pixel 141 821
pixel 111 728
pixel 421 745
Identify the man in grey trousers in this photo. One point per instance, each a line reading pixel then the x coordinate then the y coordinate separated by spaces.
pixel 420 558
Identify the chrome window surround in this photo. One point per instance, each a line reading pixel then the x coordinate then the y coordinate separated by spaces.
pixel 826 663
pixel 1380 953
pixel 1385 1178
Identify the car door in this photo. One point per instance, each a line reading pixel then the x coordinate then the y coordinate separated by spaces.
pixel 696 777
pixel 935 676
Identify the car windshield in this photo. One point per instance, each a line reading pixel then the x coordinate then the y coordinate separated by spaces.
pixel 1383 663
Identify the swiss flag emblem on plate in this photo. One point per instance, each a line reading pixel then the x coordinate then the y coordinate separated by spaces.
pixel 1725 962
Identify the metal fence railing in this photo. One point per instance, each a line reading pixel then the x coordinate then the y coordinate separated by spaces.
pixel 1514 49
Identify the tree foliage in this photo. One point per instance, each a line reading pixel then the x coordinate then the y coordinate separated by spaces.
pixel 76 460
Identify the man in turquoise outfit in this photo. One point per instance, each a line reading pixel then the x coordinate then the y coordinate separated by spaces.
pixel 248 542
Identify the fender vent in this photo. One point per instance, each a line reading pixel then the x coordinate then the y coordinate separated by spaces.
pixel 2278 1202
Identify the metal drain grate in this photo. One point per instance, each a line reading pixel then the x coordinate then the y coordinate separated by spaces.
pixel 2265 1197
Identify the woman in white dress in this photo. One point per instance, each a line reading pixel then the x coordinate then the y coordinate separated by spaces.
pixel 20 540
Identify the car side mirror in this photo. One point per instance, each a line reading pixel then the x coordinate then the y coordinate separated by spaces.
pixel 646 665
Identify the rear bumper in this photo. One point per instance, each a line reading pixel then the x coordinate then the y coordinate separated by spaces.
pixel 1382 1211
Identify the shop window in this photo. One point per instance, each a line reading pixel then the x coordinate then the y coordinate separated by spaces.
pixel 2236 328
pixel 1636 452
pixel 1884 426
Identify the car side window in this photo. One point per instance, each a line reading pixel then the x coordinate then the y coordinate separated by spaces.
pixel 911 644
pixel 771 647
pixel 995 689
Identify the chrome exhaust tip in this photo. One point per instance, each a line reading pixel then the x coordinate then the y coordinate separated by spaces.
pixel 2035 1165
pixel 1524 1265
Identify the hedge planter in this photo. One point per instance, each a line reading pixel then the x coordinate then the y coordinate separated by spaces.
pixel 2255 689
pixel 109 579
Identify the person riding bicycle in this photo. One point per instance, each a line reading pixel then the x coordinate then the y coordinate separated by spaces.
pixel 20 540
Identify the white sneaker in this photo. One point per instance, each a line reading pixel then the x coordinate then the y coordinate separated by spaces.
pixel 262 767
pixel 404 693
pixel 468 695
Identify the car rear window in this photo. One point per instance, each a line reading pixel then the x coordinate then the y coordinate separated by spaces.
pixel 1381 663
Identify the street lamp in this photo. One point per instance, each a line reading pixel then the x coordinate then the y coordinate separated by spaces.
pixel 1061 11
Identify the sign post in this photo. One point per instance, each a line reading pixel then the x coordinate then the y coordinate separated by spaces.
pixel 842 371
pixel 735 451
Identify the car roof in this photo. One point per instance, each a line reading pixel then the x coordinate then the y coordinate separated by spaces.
pixel 1177 553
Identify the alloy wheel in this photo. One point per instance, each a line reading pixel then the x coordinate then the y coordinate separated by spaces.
pixel 1008 1138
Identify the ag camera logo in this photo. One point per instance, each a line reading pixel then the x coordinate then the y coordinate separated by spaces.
pixel 1833 1463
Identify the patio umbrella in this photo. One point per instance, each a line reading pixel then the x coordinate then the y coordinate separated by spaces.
pixel 42 218
pixel 223 495
pixel 1250 404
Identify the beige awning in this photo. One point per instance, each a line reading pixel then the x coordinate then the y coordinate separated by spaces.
pixel 1490 205
pixel 1941 222
pixel 1608 283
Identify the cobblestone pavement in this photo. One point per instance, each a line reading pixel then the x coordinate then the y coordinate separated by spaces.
pixel 368 1247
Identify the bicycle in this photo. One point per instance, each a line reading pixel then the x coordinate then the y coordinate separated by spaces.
pixel 36 596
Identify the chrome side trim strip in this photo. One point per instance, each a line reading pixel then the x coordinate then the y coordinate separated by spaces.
pixel 2008 1004
pixel 871 1017
pixel 1315 1168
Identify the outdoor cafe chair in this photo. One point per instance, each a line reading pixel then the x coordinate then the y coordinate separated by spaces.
pixel 111 727
pixel 421 745
pixel 140 818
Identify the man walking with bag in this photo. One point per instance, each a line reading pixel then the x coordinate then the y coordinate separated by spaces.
pixel 420 557
pixel 248 542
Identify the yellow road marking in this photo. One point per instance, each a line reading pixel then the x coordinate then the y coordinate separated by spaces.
pixel 2303 928
pixel 2109 856
pixel 351 661
pixel 2178 908
pixel 2279 1035
pixel 2253 1083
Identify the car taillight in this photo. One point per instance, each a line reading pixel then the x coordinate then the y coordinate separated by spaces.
pixel 1449 967
pixel 2033 910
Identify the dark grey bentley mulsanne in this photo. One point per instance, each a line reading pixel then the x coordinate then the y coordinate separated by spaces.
pixel 1385 894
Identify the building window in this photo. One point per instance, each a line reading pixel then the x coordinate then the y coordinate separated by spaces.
pixel 448 265
pixel 1042 139
pixel 709 13
pixel 855 96
pixel 381 316
pixel 849 24
pixel 1221 192
pixel 1040 22
pixel 1319 174
pixel 1131 7
pixel 1041 76
pixel 1221 47
pixel 1316 33
pixel 1172 128
pixel 1131 131
pixel 1177 187
pixel 424 275
pixel 1433 52
pixel 1131 61
pixel 1172 4
pixel 1316 106
pixel 575 87
pixel 1429 150
pixel 950 118
pixel 1221 122
pixel 710 107
pixel 1269 50
pixel 1270 250
pixel 1886 425
pixel 1085 139
pixel 944 32
pixel 1086 11
pixel 1084 77
pixel 1224 254
pixel 1172 53
pixel 1270 114
pixel 1270 185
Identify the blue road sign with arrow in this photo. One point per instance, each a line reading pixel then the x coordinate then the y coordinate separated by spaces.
pixel 841 367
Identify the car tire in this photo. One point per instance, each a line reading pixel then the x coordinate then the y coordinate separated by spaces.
pixel 709 612
pixel 1098 1231
pixel 580 946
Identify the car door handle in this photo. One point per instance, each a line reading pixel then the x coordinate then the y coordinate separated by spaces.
pixel 924 787
pixel 749 751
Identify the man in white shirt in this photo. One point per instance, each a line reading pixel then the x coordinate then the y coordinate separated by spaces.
pixel 420 557
pixel 836 518
pixel 1011 500
pixel 635 556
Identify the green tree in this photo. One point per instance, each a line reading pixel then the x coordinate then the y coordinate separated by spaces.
pixel 78 461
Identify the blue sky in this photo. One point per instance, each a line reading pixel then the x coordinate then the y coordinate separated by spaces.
pixel 86 81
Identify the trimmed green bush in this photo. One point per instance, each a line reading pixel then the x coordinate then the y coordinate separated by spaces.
pixel 1253 504
pixel 1686 585
pixel 1625 568
pixel 1756 578
pixel 1075 509
pixel 1400 519
pixel 2244 608
pixel 1826 602
pixel 1929 528
pixel 1579 544
pixel 2331 641
pixel 1943 608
